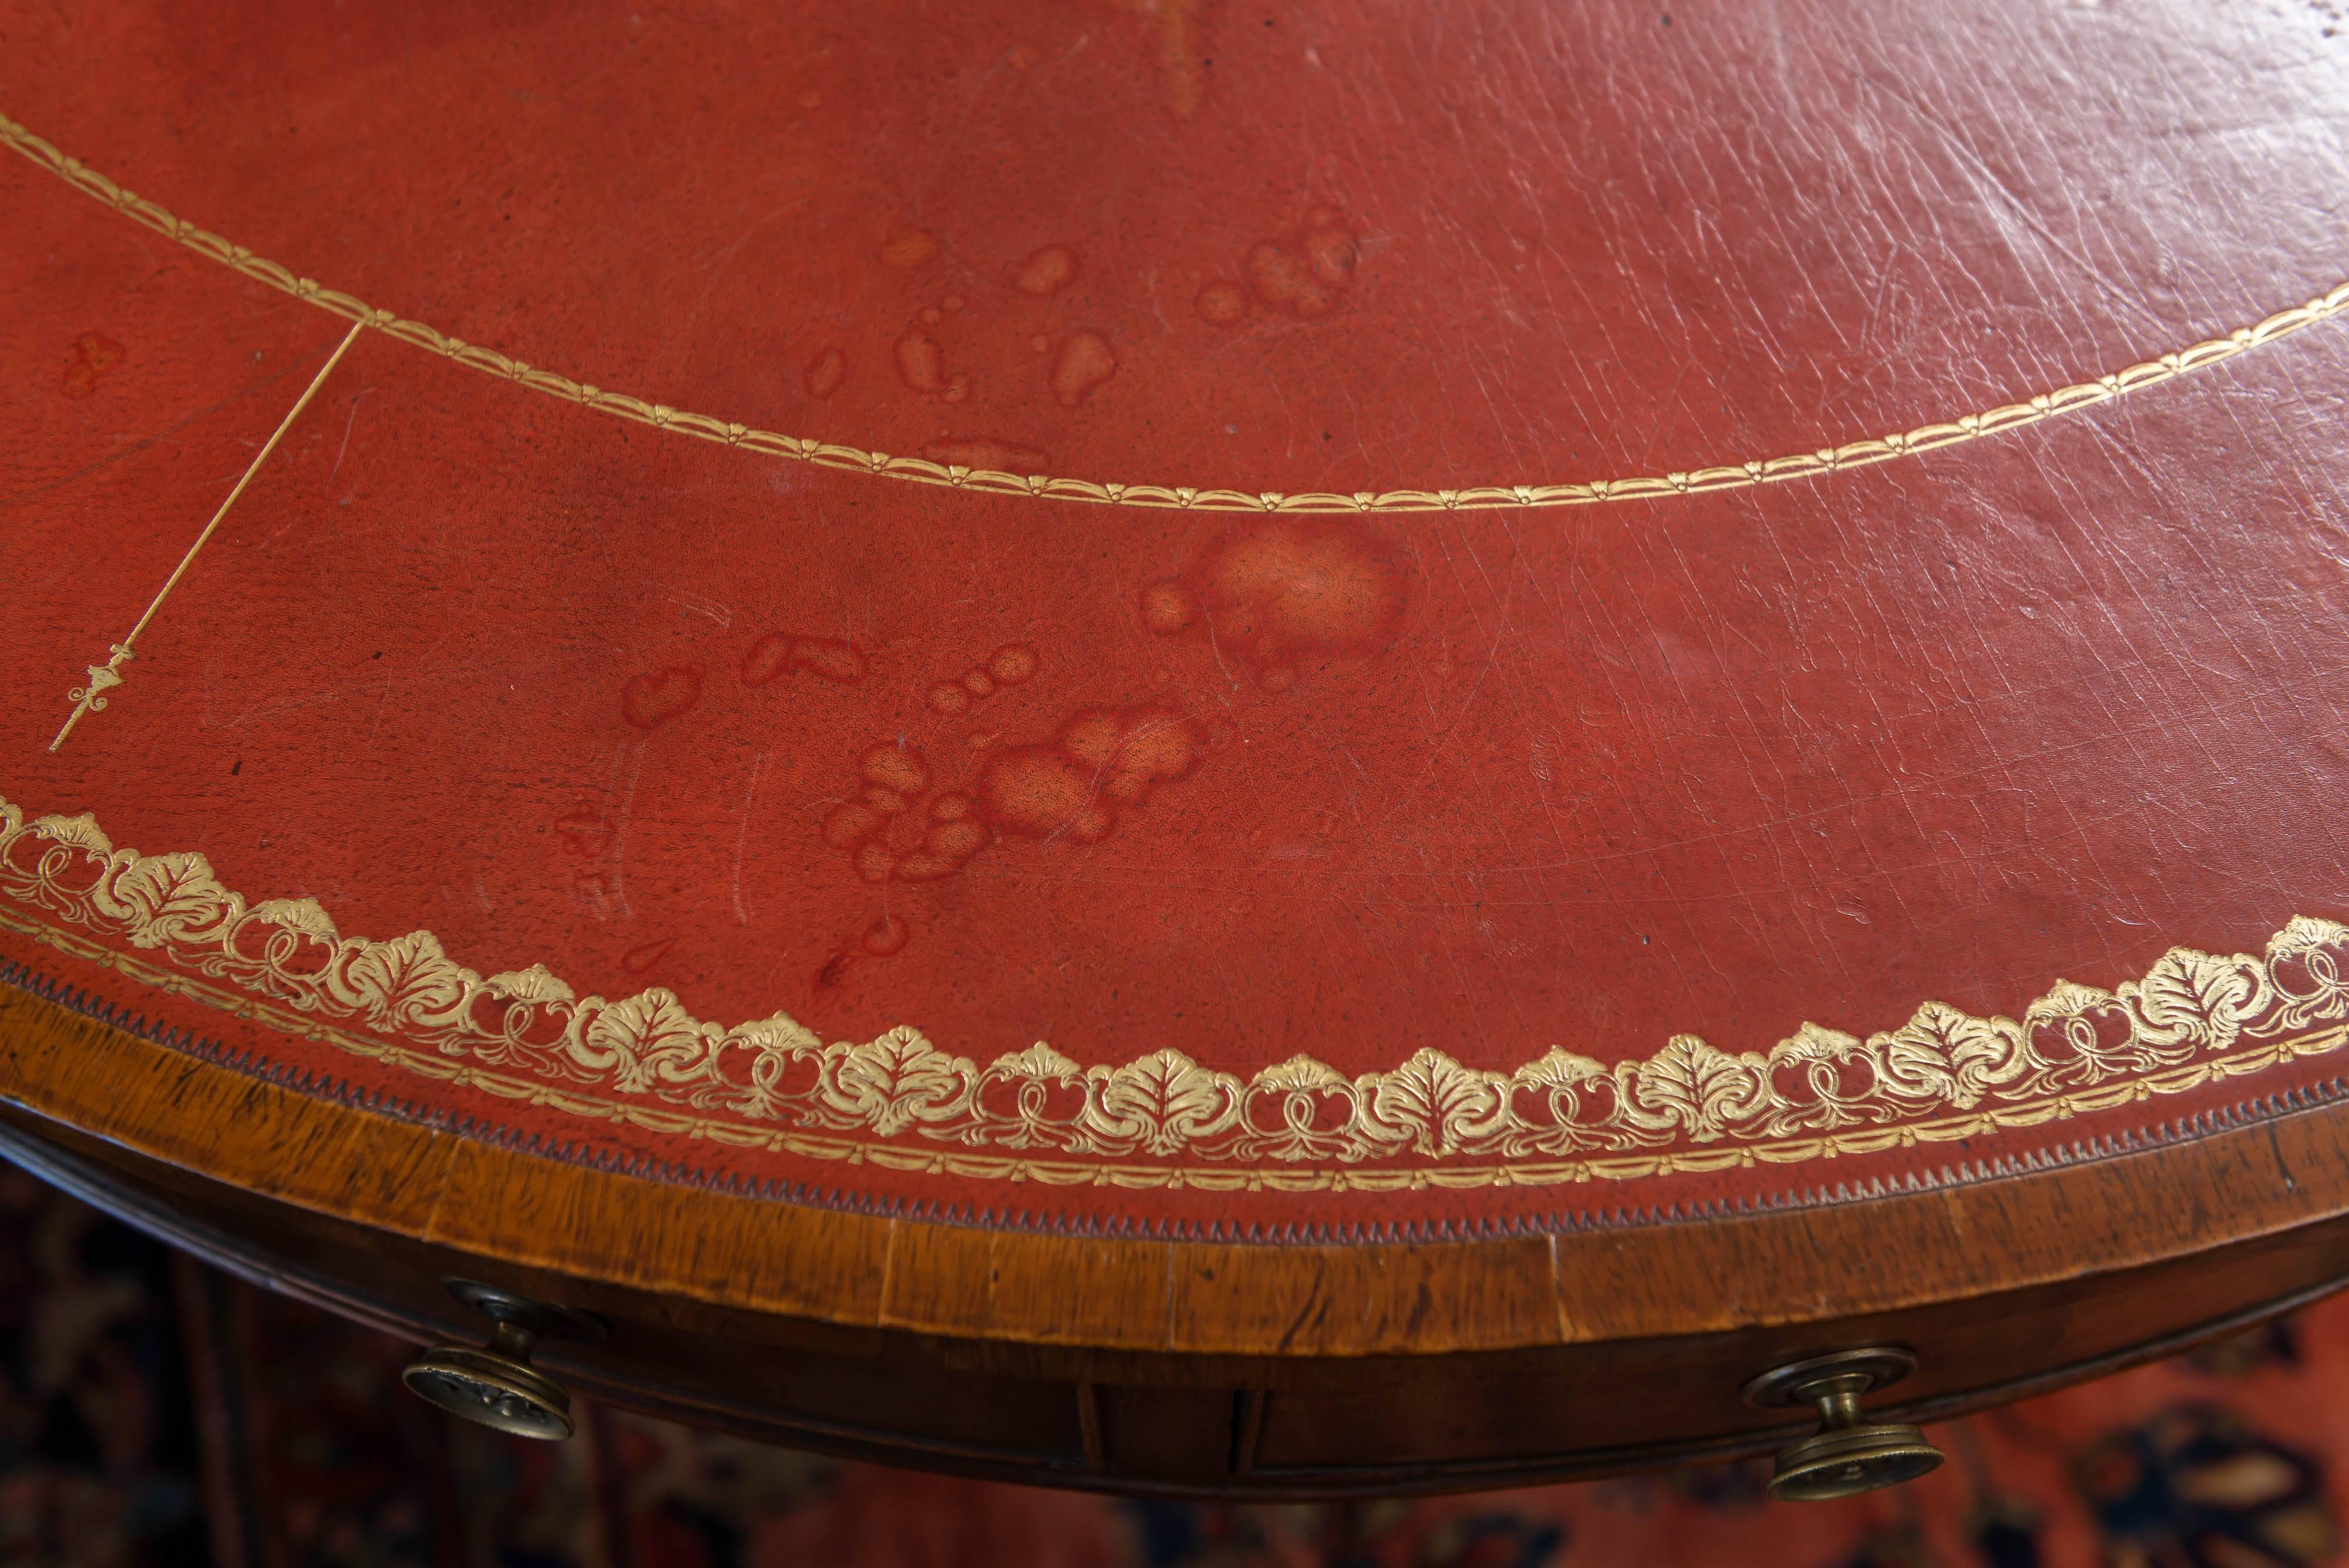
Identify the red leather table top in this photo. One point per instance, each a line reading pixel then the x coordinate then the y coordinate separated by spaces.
pixel 1474 722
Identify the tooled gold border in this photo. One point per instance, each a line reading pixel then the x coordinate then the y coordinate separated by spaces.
pixel 1857 453
pixel 2194 1019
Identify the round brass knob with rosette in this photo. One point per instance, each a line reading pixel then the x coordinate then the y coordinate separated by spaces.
pixel 1847 1454
pixel 494 1384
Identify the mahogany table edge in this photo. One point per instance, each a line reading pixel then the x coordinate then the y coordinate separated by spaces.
pixel 2104 1215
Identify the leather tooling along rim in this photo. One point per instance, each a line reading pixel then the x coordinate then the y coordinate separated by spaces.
pixel 1854 453
pixel 2194 1019
pixel 862 1200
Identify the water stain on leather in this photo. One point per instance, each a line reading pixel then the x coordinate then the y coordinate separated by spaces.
pixel 1273 591
pixel 1046 271
pixel 823 375
pixel 94 353
pixel 887 934
pixel 896 767
pixel 644 955
pixel 1084 361
pixel 1307 273
pixel 987 452
pixel 777 654
pixel 1222 303
pixel 887 831
pixel 905 249
pixel 921 363
pixel 1014 664
pixel 1103 762
pixel 648 701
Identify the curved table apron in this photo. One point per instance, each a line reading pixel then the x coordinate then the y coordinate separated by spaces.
pixel 1164 748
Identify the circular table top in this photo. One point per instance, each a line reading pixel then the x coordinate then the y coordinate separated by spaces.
pixel 1166 617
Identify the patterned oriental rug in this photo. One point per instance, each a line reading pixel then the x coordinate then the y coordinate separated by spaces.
pixel 141 1426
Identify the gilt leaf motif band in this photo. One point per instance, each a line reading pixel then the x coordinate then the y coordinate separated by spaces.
pixel 900 1102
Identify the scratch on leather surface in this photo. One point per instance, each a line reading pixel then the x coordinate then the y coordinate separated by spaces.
pixel 2193 1020
pixel 1733 475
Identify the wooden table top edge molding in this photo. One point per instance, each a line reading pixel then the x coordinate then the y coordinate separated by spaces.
pixel 2125 1210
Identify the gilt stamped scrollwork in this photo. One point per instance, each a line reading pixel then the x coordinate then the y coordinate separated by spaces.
pixel 2193 1018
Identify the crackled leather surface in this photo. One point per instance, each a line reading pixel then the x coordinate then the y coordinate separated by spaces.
pixel 664 714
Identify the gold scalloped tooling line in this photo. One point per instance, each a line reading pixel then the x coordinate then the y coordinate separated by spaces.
pixel 901 1104
pixel 1857 453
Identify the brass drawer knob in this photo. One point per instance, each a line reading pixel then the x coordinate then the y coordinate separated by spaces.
pixel 1846 1454
pixel 495 1384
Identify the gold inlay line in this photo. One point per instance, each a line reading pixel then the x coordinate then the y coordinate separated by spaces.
pixel 1857 453
pixel 89 699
